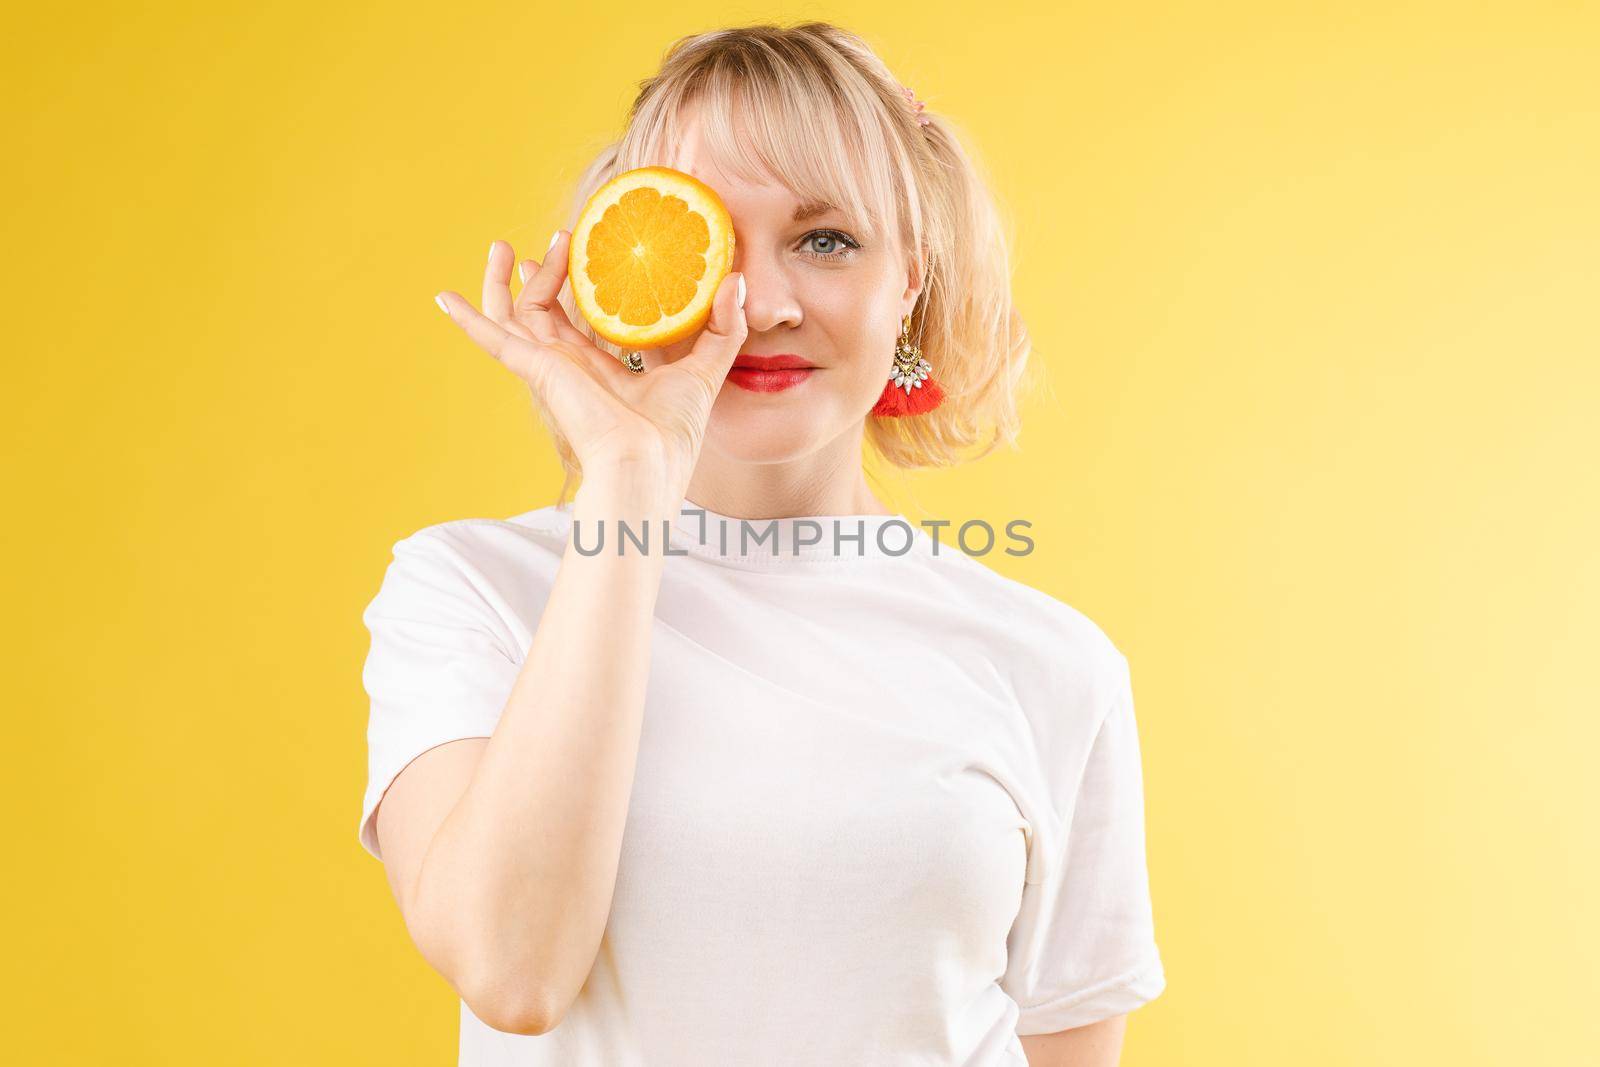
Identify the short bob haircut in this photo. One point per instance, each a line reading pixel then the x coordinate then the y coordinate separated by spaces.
pixel 767 96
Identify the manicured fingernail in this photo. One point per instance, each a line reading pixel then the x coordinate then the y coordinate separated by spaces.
pixel 522 269
pixel 491 248
pixel 553 239
pixel 741 290
pixel 442 306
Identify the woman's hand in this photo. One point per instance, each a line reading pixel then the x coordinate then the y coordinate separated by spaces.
pixel 608 415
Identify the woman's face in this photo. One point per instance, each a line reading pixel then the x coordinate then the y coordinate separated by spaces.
pixel 815 289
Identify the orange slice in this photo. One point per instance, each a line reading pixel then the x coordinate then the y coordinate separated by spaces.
pixel 647 254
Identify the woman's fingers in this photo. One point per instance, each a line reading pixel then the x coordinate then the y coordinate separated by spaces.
pixel 717 346
pixel 540 312
pixel 527 360
pixel 532 361
pixel 536 306
pixel 497 281
pixel 554 311
pixel 521 333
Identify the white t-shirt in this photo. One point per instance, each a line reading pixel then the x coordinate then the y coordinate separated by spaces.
pixel 888 807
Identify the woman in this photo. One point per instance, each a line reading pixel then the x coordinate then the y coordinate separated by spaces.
pixel 858 803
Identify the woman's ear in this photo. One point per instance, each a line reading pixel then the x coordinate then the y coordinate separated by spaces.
pixel 915 275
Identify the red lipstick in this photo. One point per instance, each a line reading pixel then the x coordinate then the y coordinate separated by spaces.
pixel 769 374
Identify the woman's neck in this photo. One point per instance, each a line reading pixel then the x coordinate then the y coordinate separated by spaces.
pixel 828 482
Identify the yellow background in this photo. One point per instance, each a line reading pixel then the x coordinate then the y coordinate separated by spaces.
pixel 1316 287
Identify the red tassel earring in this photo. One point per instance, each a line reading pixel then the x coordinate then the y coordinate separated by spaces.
pixel 910 390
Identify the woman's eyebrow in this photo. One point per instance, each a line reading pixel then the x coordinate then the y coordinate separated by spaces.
pixel 811 210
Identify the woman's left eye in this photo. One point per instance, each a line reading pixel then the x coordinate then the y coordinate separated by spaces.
pixel 839 245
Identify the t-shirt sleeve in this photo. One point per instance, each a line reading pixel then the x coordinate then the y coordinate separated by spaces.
pixel 1082 947
pixel 440 666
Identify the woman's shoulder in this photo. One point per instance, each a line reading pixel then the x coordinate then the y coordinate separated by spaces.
pixel 540 527
pixel 484 550
pixel 1014 598
pixel 1038 626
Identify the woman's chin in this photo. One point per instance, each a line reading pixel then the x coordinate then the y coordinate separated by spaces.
pixel 759 439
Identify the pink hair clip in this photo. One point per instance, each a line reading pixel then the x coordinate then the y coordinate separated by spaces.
pixel 917 105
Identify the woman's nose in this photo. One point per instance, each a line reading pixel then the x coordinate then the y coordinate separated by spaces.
pixel 770 298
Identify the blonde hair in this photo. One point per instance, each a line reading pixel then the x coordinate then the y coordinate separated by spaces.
pixel 813 84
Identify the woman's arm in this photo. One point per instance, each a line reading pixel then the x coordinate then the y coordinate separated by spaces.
pixel 504 855
pixel 511 868
pixel 1096 1045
